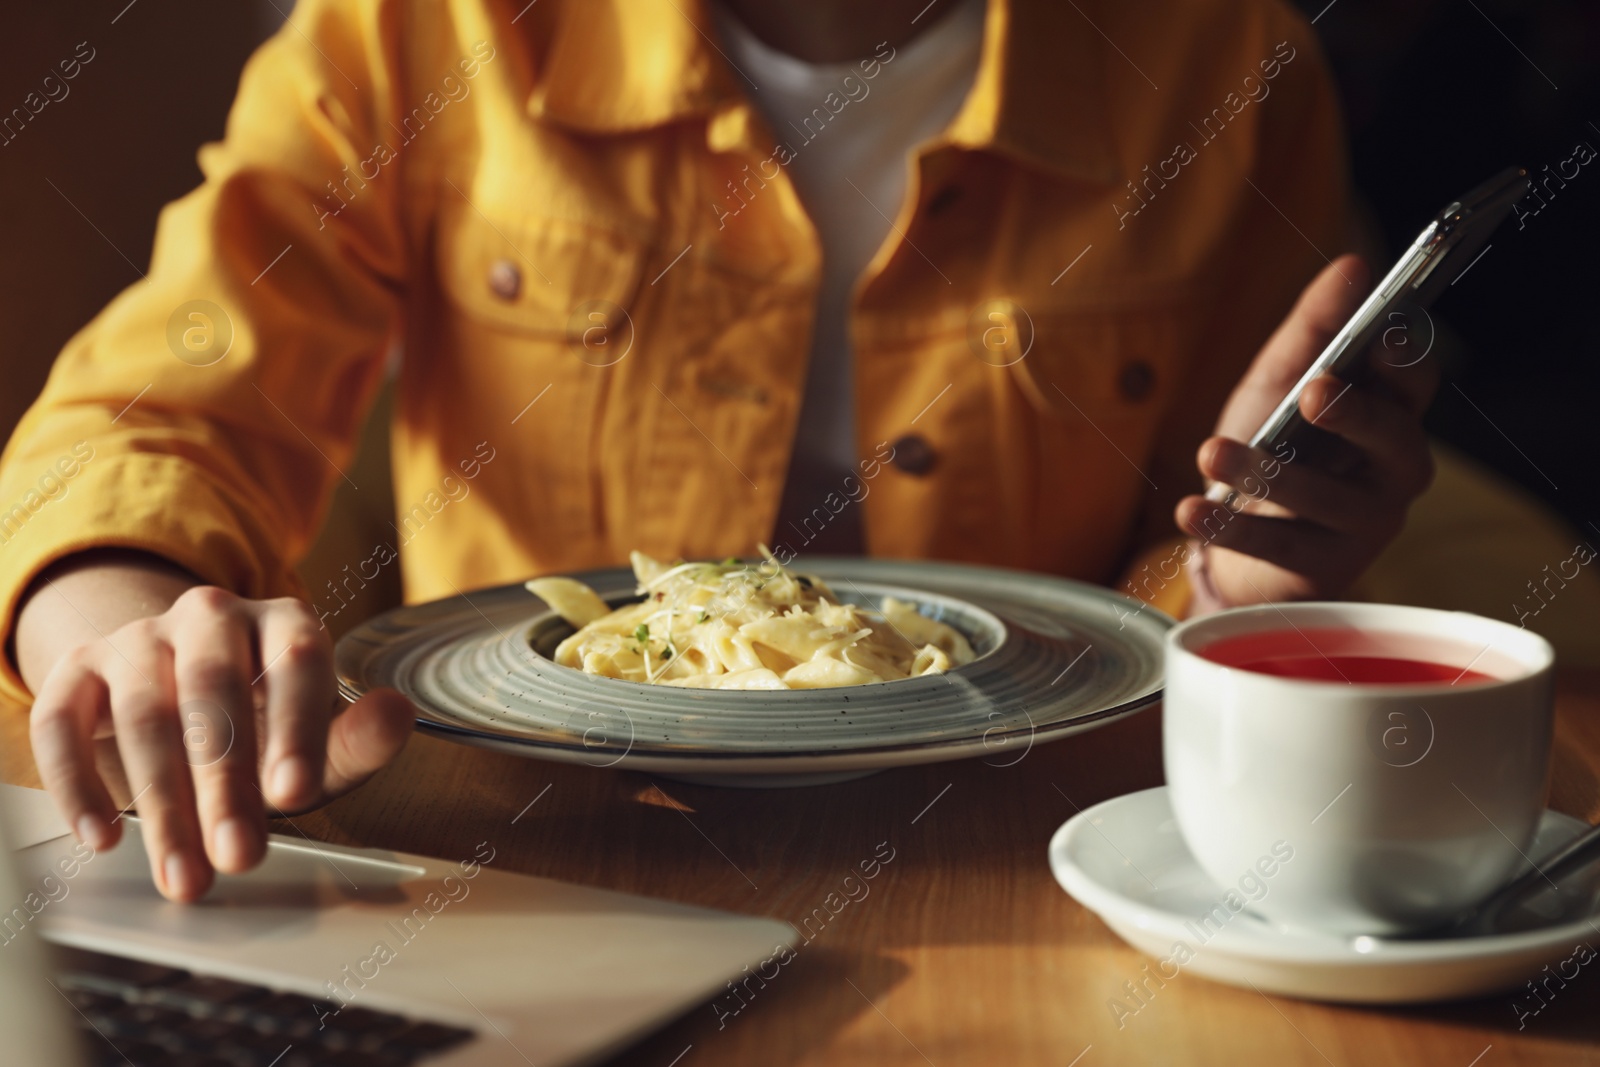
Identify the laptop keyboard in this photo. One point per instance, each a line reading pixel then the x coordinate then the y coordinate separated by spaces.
pixel 148 1015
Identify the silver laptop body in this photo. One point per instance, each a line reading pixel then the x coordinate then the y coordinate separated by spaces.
pixel 531 970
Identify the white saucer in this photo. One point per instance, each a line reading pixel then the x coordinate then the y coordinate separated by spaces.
pixel 1125 861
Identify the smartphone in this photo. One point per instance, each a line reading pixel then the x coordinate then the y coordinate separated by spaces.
pixel 1442 252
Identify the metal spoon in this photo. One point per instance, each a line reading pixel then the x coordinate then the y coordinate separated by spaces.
pixel 1573 856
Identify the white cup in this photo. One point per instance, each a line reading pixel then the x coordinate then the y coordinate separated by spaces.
pixel 1402 804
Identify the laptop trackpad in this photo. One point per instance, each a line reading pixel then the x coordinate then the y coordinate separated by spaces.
pixel 293 883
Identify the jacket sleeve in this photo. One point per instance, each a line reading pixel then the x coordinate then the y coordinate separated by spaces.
pixel 206 413
pixel 1286 229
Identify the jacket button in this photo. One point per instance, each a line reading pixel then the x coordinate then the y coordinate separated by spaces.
pixel 913 454
pixel 1136 380
pixel 505 279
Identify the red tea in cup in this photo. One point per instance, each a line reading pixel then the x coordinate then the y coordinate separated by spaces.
pixel 1344 655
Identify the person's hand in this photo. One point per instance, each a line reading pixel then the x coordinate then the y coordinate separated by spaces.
pixel 1316 513
pixel 222 709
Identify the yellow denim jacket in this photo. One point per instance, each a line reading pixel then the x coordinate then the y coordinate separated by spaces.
pixel 566 230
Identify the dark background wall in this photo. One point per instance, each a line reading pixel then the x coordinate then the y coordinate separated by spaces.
pixel 1439 94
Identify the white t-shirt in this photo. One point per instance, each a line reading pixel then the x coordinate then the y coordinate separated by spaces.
pixel 850 173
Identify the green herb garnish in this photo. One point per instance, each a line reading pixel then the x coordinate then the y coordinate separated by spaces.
pixel 642 634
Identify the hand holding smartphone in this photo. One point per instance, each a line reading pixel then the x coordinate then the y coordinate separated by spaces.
pixel 1445 247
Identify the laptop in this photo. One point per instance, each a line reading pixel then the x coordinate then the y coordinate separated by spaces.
pixel 337 956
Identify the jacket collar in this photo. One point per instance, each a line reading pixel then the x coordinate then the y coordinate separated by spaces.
pixel 617 66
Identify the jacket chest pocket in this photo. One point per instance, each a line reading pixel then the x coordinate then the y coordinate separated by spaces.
pixel 537 314
pixel 1106 387
pixel 1115 367
pixel 540 277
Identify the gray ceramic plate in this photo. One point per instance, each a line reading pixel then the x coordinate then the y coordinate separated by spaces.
pixel 1055 658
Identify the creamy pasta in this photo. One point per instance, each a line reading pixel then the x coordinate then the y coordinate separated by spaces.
pixel 733 625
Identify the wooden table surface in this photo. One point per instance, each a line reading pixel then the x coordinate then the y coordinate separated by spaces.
pixel 964 950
